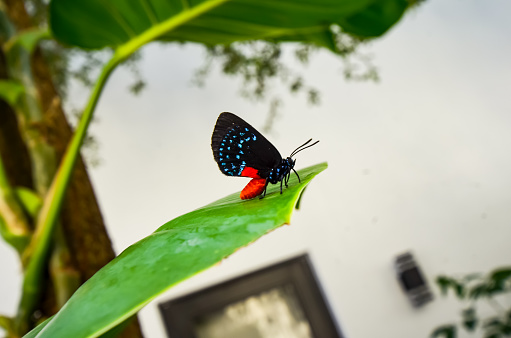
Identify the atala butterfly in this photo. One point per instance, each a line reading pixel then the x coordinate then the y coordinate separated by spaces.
pixel 240 150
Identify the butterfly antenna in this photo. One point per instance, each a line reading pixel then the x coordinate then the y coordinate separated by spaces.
pixel 302 147
pixel 294 151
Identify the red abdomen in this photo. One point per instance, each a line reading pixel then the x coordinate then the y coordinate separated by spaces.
pixel 254 188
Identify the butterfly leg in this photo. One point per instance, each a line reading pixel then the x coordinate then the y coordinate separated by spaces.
pixel 264 191
pixel 287 179
pixel 297 176
pixel 281 185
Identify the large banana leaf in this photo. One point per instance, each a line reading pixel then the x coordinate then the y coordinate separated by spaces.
pixel 100 23
pixel 177 250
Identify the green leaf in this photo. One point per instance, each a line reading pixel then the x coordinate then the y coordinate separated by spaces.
pixel 460 290
pixel 469 319
pixel 477 291
pixel 493 327
pixel 445 331
pixel 97 24
pixel 30 200
pixel 498 280
pixel 19 242
pixel 375 19
pixel 506 330
pixel 445 282
pixel 6 324
pixel 492 335
pixel 10 91
pixel 177 250
pixel 471 277
pixel 36 330
pixel 501 274
pixel 28 39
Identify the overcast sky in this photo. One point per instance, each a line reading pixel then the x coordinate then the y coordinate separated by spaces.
pixel 419 161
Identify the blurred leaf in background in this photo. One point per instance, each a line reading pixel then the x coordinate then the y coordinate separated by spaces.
pixel 473 289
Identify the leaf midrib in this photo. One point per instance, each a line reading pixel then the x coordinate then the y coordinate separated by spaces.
pixel 160 28
pixel 157 30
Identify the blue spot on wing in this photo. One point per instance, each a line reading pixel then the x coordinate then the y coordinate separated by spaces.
pixel 232 168
pixel 235 145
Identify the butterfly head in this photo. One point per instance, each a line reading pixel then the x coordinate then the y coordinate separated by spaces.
pixel 288 162
pixel 283 170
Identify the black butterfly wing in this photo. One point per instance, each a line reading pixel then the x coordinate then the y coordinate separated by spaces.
pixel 237 145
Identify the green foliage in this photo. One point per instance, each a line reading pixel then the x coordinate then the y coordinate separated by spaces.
pixel 37 329
pixel 474 288
pixel 499 281
pixel 447 283
pixel 445 331
pixel 469 319
pixel 18 242
pixel 30 201
pixel 375 19
pixel 257 63
pixel 10 91
pixel 28 39
pixel 95 24
pixel 177 250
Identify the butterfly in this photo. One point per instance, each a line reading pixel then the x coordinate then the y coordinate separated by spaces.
pixel 240 150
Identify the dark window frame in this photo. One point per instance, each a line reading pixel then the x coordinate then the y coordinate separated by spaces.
pixel 179 314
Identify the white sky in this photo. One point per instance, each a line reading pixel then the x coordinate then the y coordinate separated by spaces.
pixel 419 161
